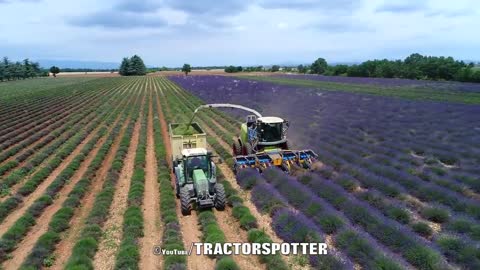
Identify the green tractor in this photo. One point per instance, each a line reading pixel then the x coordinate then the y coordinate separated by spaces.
pixel 195 171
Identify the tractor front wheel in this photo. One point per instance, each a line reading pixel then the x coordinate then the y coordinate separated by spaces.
pixel 220 197
pixel 185 203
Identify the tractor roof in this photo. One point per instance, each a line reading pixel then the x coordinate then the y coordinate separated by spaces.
pixel 270 119
pixel 194 152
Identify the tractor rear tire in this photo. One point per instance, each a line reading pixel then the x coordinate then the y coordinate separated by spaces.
pixel 220 197
pixel 237 149
pixel 185 203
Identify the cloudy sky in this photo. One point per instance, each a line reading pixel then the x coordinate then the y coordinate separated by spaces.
pixel 240 32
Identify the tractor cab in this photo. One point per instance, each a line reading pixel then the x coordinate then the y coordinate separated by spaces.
pixel 197 163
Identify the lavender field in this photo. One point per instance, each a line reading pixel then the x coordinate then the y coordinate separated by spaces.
pixel 385 82
pixel 400 183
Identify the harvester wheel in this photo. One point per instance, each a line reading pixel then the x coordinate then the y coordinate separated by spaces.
pixel 285 168
pixel 220 197
pixel 237 149
pixel 248 149
pixel 185 202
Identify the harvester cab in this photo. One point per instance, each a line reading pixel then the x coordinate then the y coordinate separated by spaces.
pixel 263 143
pixel 195 171
pixel 262 133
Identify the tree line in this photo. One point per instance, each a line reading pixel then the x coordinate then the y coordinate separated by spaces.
pixel 19 70
pixel 415 66
pixel 132 66
pixel 274 68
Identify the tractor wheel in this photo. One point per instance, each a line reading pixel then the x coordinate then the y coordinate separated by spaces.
pixel 237 149
pixel 220 197
pixel 248 149
pixel 185 202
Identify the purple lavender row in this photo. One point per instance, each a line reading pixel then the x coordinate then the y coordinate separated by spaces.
pixel 457 247
pixel 423 190
pixel 435 175
pixel 329 219
pixel 289 224
pixel 367 251
pixel 455 181
pixel 416 250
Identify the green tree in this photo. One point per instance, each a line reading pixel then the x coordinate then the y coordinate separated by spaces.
pixel 28 69
pixel 275 68
pixel 186 69
pixel 18 70
pixel 54 70
pixel 6 69
pixel 302 69
pixel 319 66
pixel 124 67
pixel 230 69
pixel 137 66
pixel 36 69
pixel 132 66
pixel 340 69
pixel 2 71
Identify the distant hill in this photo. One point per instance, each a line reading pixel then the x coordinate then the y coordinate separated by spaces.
pixel 46 63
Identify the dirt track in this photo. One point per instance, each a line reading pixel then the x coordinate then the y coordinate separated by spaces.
pixel 151 200
pixel 112 229
pixel 190 229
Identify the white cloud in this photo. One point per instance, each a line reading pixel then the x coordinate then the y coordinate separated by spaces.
pixel 238 32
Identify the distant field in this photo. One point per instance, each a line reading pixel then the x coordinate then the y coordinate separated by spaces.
pixel 436 91
pixel 17 89
pixel 88 74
